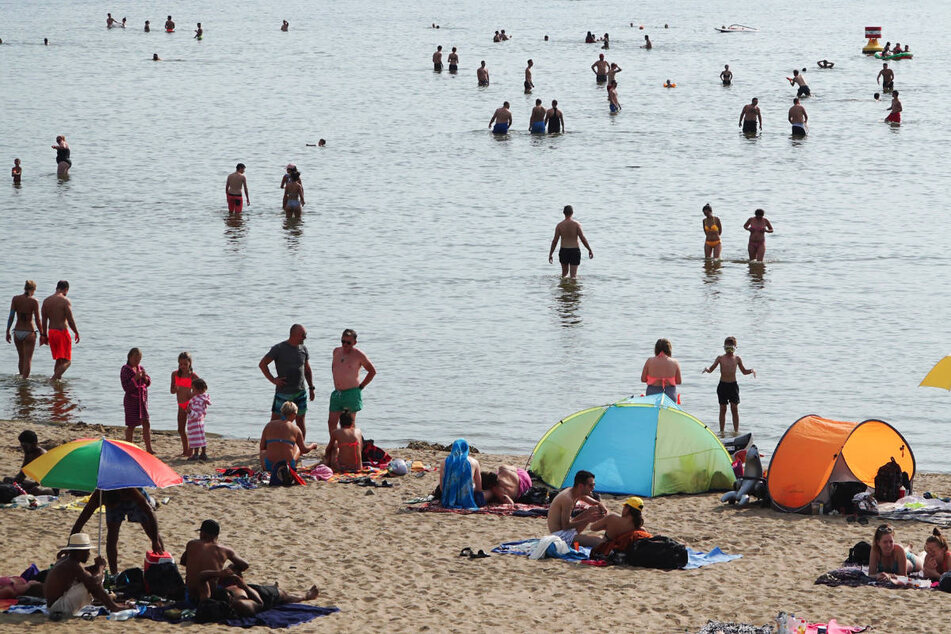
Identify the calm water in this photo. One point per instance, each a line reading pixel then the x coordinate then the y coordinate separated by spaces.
pixel 429 236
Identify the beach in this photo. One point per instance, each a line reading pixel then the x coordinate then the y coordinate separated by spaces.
pixel 393 570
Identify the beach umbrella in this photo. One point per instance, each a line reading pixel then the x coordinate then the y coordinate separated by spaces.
pixel 89 464
pixel 939 376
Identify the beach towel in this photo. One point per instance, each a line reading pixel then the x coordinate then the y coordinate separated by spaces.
pixel 32 502
pixel 283 616
pixel 554 547
pixel 698 559
pixel 913 507
pixel 78 505
pixel 720 627
pixel 219 481
pixel 855 576
pixel 457 487
pixel 516 510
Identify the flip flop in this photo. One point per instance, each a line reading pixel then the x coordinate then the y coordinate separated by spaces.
pixel 466 552
pixel 479 555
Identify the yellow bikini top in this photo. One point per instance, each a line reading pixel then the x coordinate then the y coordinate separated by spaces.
pixel 713 228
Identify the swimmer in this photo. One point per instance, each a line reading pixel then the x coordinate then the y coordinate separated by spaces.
pixel 607 42
pixel 453 61
pixel 294 195
pixel 169 25
pixel 123 22
pixel 528 78
pixel 46 41
pixel 536 123
pixel 16 172
pixel 600 69
pixel 726 75
pixel 589 38
pixel 321 143
pixel 285 26
pixel 613 103
pixel 546 38
pixel 669 84
pixel 887 77
pixel 501 120
pixel 712 229
pixel 554 118
pixel 824 63
pixel 749 116
pixel 110 21
pixel 199 32
pixel 437 60
pixel 613 71
pixel 647 43
pixel 798 118
pixel 482 74
pixel 799 80
pixel 666 27
pixel 148 26
pixel 155 57
pixel 503 35
pixel 758 226
pixel 895 109
pixel 63 163
pixel 497 37
pixel 876 97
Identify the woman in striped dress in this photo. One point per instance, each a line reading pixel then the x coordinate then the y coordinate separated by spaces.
pixel 135 383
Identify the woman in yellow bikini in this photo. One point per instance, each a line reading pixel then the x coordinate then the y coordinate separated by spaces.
pixel 713 228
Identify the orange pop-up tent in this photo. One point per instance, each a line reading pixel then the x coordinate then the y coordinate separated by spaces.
pixel 815 453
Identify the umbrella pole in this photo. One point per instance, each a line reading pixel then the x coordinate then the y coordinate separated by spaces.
pixel 99 512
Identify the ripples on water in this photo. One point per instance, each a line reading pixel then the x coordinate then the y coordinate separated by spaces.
pixel 428 235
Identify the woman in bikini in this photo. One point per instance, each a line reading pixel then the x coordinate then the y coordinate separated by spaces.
pixel 620 531
pixel 282 440
pixel 661 373
pixel 888 558
pixel 758 226
pixel 27 312
pixel 294 195
pixel 712 227
pixel 182 389
pixel 345 449
pixel 937 558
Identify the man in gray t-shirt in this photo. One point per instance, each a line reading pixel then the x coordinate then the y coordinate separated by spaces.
pixel 292 362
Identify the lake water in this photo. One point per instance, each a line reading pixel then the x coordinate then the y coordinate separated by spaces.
pixel 429 236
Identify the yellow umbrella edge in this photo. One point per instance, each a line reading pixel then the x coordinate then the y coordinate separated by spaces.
pixel 38 468
pixel 939 376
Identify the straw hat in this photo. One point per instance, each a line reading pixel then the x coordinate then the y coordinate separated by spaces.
pixel 78 541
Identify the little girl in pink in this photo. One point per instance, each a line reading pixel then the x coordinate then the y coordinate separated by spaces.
pixel 195 423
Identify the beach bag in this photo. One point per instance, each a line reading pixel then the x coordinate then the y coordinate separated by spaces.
pixel 130 583
pixel 887 481
pixel 656 552
pixel 374 455
pixel 164 580
pixel 859 553
pixel 842 495
pixel 7 493
pixel 283 476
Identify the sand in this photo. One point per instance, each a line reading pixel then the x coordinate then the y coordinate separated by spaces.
pixel 389 571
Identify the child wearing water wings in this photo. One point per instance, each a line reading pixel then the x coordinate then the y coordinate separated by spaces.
pixel 728 390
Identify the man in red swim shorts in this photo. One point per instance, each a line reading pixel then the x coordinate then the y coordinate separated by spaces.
pixel 895 108
pixel 236 181
pixel 57 313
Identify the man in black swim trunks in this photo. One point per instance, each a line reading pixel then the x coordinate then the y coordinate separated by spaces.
pixel 248 599
pixel 569 255
pixel 600 69
pixel 800 80
pixel 437 59
pixel 749 116
pixel 453 60
pixel 726 75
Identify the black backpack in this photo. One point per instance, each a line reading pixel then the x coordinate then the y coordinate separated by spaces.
pixel 165 581
pixel 8 492
pixel 130 583
pixel 887 481
pixel 656 552
pixel 842 493
pixel 859 553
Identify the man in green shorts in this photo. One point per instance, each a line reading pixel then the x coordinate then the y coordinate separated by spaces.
pixel 348 388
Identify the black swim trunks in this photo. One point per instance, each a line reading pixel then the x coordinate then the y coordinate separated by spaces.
pixel 601 78
pixel 728 392
pixel 437 67
pixel 888 87
pixel 803 91
pixel 727 82
pixel 453 68
pixel 570 256
pixel 270 595
pixel 749 126
pixel 528 86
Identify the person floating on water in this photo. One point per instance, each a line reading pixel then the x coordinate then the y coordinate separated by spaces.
pixel 726 75
pixel 895 109
pixel 798 118
pixel 46 41
pixel 589 38
pixel 199 32
pixel 482 75
pixel 437 59
pixel 800 80
pixel 453 61
pixel 528 78
pixel 503 35
pixel 613 103
pixel 669 84
pixel 233 185
pixel 661 372
pixel 285 26
pixel 749 116
pixel 169 25
pixel 887 78
pixel 502 119
pixel 758 226
pixel 554 118
pixel 497 37
pixel 728 390
pixel 16 172
pixel 63 162
pixel 600 69
pixel 876 97
pixel 569 232
pixel 148 26
pixel 712 229
pixel 123 23
pixel 824 63
pixel 536 123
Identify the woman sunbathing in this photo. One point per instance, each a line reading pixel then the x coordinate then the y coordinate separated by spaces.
pixel 621 530
pixel 887 557
pixel 937 558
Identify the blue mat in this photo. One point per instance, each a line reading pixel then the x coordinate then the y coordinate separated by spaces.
pixel 695 558
pixel 283 616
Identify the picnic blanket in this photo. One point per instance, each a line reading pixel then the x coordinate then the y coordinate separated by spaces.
pixel 855 576
pixel 913 507
pixel 279 616
pixel 720 627
pixel 515 510
pixel 31 502
pixel 221 481
pixel 695 558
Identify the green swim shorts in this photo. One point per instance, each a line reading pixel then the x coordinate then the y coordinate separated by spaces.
pixel 351 399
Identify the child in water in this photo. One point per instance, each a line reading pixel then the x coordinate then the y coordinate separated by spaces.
pixel 197 407
pixel 728 390
pixel 16 172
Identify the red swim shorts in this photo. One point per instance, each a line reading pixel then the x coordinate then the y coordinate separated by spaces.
pixel 894 117
pixel 61 344
pixel 235 203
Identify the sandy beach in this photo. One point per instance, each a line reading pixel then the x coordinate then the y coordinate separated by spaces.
pixel 390 570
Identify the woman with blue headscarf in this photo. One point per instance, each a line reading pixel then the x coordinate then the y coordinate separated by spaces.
pixel 461 481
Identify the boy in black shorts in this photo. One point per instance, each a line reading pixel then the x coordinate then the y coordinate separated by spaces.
pixel 728 390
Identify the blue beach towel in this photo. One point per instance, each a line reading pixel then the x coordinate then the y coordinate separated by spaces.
pixel 698 559
pixel 283 616
pixel 457 479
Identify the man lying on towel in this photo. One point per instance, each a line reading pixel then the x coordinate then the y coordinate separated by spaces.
pixel 247 599
pixel 69 586
pixel 506 486
pixel 569 528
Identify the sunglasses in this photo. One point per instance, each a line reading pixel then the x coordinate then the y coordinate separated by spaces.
pixel 346 343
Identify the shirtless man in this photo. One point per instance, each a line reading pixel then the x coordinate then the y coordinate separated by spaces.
pixel 121 504
pixel 613 71
pixel 647 43
pixel 57 313
pixel 728 390
pixel 205 556
pixel 661 372
pixel 284 26
pixel 345 450
pixel 482 74
pixel 437 59
pixel 569 255
pixel 554 118
pixel 70 587
pixel 29 444
pixel 453 61
pixel 749 116
pixel 26 310
pixel 613 102
pixel 798 118
pixel 536 124
pixel 502 119
pixel 887 77
pixel 348 388
pixel 506 486
pixel 110 21
pixel 247 599
pixel 895 109
pixel 800 80
pixel 233 185
pixel 600 69
pixel 169 25
pixel 726 75
pixel 528 77
pixel 569 528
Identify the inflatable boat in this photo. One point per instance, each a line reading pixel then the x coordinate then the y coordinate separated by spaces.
pixel 736 28
pixel 901 55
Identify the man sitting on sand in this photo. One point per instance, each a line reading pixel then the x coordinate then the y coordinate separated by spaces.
pixel 204 559
pixel 569 528
pixel 29 444
pixel 122 504
pixel 345 449
pixel 506 486
pixel 70 586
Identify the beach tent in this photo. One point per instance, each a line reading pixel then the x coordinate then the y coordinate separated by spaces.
pixel 816 453
pixel 644 446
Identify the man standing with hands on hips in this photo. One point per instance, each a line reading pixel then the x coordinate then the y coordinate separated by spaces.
pixel 292 362
pixel 348 388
